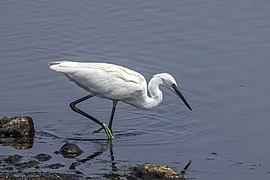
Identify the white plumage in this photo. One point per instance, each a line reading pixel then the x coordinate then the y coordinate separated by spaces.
pixel 116 83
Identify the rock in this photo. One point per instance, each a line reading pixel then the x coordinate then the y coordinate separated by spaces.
pixel 70 150
pixel 43 157
pixel 28 164
pixel 55 166
pixel 12 159
pixel 115 175
pixel 17 132
pixel 156 171
pixel 17 127
pixel 39 176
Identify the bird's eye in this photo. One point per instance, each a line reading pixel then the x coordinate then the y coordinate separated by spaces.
pixel 174 85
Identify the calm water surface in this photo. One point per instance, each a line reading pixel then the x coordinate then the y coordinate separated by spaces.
pixel 219 52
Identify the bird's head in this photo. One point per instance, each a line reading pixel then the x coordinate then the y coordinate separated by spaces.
pixel 169 82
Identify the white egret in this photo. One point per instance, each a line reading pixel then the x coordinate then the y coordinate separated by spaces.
pixel 116 83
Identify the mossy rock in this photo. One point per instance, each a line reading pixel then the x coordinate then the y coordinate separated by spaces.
pixel 156 171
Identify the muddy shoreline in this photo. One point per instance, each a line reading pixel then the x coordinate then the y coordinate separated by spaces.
pixel 19 133
pixel 14 167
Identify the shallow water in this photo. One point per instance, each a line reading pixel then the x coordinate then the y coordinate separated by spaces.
pixel 217 50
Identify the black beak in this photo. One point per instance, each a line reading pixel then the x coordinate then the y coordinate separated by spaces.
pixel 180 95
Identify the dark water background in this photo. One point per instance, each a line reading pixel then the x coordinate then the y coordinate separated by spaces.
pixel 219 52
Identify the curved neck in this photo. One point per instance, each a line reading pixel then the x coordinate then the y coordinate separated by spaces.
pixel 154 92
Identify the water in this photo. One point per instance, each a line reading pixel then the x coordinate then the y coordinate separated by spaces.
pixel 217 50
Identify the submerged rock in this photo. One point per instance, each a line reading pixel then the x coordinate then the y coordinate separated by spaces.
pixel 39 176
pixel 55 166
pixel 17 127
pixel 156 171
pixel 12 159
pixel 28 164
pixel 70 150
pixel 43 157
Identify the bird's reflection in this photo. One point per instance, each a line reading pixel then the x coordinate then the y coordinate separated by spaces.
pixel 105 146
pixel 114 167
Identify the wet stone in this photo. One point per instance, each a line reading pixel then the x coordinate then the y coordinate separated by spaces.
pixel 6 176
pixel 43 157
pixel 9 168
pixel 13 159
pixel 120 176
pixel 156 171
pixel 55 166
pixel 40 176
pixel 70 150
pixel 17 127
pixel 29 164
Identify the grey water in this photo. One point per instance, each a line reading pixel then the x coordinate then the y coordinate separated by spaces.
pixel 218 51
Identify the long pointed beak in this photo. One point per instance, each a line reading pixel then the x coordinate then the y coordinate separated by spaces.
pixel 180 95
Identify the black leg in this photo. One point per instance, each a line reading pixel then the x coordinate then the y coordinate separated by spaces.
pixel 112 114
pixel 74 108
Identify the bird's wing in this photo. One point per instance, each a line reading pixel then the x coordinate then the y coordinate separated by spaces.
pixel 121 72
pixel 117 71
pixel 110 80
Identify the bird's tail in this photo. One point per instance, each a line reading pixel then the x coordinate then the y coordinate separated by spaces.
pixel 54 63
pixel 60 66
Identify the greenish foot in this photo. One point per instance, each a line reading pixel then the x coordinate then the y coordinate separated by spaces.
pixel 107 131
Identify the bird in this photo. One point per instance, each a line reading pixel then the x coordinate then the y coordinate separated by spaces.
pixel 116 83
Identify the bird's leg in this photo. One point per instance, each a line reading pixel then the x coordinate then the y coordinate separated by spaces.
pixel 112 114
pixel 111 118
pixel 104 126
pixel 74 108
